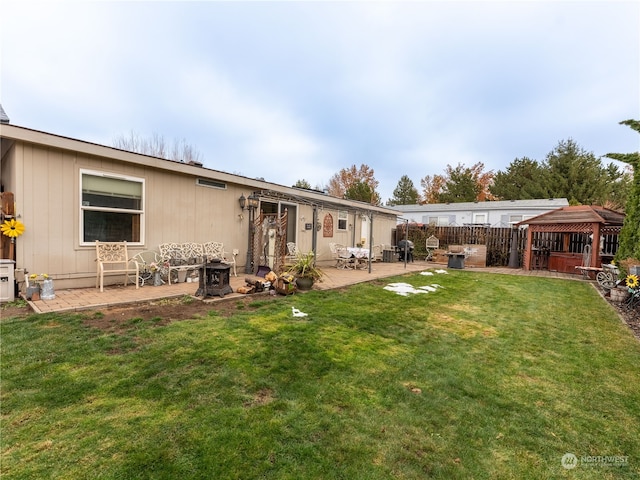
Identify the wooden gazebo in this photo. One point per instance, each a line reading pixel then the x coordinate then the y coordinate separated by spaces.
pixel 572 236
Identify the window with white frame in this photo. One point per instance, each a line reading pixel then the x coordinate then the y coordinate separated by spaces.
pixel 480 218
pixel 515 219
pixel 111 207
pixel 343 217
pixel 439 221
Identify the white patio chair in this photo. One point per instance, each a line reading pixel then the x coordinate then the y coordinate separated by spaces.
pixel 113 257
pixel 376 253
pixel 292 252
pixel 342 256
pixel 231 260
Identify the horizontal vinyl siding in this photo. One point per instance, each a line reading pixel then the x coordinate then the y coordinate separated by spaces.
pixel 176 210
pixel 46 182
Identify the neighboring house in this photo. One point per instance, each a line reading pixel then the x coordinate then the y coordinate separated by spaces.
pixel 69 193
pixel 494 214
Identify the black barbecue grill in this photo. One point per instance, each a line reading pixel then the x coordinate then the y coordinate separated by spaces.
pixel 405 248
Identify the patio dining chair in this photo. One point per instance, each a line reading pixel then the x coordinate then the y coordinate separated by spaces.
pixel 232 260
pixel 376 253
pixel 292 252
pixel 342 256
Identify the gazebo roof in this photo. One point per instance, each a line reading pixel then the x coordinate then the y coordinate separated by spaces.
pixel 578 214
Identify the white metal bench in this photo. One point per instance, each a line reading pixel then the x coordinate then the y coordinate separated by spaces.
pixel 182 257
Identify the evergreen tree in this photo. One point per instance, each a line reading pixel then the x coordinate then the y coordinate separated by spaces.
pixel 524 179
pixel 618 185
pixel 405 193
pixel 302 184
pixel 630 234
pixel 360 191
pixel 576 175
pixel 460 185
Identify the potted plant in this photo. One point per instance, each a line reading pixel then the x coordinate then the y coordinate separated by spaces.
pixel 305 270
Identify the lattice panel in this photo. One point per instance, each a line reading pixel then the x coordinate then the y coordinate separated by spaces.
pixel 262 225
pixel 564 228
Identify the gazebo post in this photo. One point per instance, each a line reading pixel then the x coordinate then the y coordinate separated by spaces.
pixel 595 246
pixel 526 261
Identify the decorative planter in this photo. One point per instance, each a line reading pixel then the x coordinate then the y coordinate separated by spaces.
pixel 619 294
pixel 284 286
pixel 33 292
pixel 46 291
pixel 157 279
pixel 304 283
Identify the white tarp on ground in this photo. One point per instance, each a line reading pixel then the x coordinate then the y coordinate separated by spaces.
pixel 405 289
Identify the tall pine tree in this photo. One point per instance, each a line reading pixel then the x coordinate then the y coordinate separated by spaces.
pixel 630 234
pixel 405 193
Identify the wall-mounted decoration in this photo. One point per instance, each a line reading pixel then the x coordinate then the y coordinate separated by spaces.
pixel 327 226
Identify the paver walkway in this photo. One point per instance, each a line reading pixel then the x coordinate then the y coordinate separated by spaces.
pixel 91 298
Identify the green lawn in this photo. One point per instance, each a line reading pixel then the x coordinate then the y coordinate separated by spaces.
pixel 489 377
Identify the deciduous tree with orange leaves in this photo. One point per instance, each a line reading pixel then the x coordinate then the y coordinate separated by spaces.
pixel 344 184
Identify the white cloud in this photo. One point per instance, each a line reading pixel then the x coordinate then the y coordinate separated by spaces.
pixel 257 131
pixel 292 90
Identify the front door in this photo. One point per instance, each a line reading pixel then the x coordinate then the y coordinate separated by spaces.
pixel 364 232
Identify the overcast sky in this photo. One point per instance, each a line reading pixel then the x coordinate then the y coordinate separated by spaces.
pixel 299 90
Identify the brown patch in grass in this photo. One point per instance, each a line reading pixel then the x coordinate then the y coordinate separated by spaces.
pixel 462 328
pixel 164 312
pixel 9 310
pixel 262 397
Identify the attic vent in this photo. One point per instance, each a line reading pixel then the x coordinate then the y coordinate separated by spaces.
pixel 205 182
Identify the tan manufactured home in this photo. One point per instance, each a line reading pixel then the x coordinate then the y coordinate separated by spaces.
pixel 69 193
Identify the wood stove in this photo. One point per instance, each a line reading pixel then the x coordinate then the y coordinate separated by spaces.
pixel 214 279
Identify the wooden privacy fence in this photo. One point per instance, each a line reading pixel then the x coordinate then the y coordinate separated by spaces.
pixel 497 240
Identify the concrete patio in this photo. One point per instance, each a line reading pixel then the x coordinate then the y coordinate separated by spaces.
pixel 91 298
